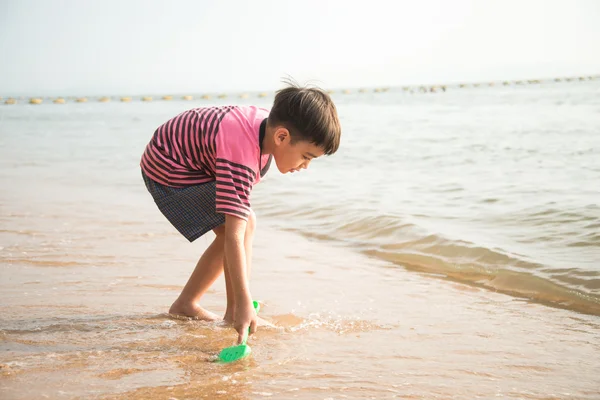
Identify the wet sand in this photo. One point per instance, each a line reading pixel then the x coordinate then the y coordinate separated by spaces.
pixel 89 267
pixel 84 307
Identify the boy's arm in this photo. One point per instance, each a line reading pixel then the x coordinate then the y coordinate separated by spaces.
pixel 235 230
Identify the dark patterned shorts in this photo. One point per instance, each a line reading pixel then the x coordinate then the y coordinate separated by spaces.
pixel 191 210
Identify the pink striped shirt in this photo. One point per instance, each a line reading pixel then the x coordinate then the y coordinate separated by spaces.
pixel 211 144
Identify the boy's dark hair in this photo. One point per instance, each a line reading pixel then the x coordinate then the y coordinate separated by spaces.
pixel 309 114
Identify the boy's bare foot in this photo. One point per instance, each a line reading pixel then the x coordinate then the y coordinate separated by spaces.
pixel 192 311
pixel 261 322
pixel 228 317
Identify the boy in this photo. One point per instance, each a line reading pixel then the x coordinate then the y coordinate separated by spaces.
pixel 200 168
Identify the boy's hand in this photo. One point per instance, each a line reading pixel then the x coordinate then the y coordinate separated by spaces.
pixel 245 317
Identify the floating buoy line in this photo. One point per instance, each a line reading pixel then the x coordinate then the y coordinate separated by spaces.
pixel 408 89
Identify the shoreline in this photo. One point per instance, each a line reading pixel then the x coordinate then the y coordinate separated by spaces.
pixel 521 285
pixel 336 307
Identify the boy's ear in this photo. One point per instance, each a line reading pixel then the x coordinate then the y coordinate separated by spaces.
pixel 281 135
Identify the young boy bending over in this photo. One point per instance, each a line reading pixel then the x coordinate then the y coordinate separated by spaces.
pixel 200 168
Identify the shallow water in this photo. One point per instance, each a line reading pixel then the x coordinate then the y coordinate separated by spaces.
pixel 387 266
pixel 496 187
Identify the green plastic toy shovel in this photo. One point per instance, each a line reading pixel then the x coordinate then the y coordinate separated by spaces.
pixel 234 353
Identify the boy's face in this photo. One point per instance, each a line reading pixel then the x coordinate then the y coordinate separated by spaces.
pixel 293 157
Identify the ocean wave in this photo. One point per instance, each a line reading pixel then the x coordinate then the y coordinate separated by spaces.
pixel 406 244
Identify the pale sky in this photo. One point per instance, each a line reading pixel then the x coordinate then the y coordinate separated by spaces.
pixel 132 47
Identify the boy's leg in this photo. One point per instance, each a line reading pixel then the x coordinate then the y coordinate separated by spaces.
pixel 208 269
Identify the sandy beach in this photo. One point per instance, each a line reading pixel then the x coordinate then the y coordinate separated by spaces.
pixel 445 246
pixel 89 267
pixel 89 321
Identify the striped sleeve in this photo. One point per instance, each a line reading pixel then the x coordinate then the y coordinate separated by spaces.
pixel 235 172
pixel 234 184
